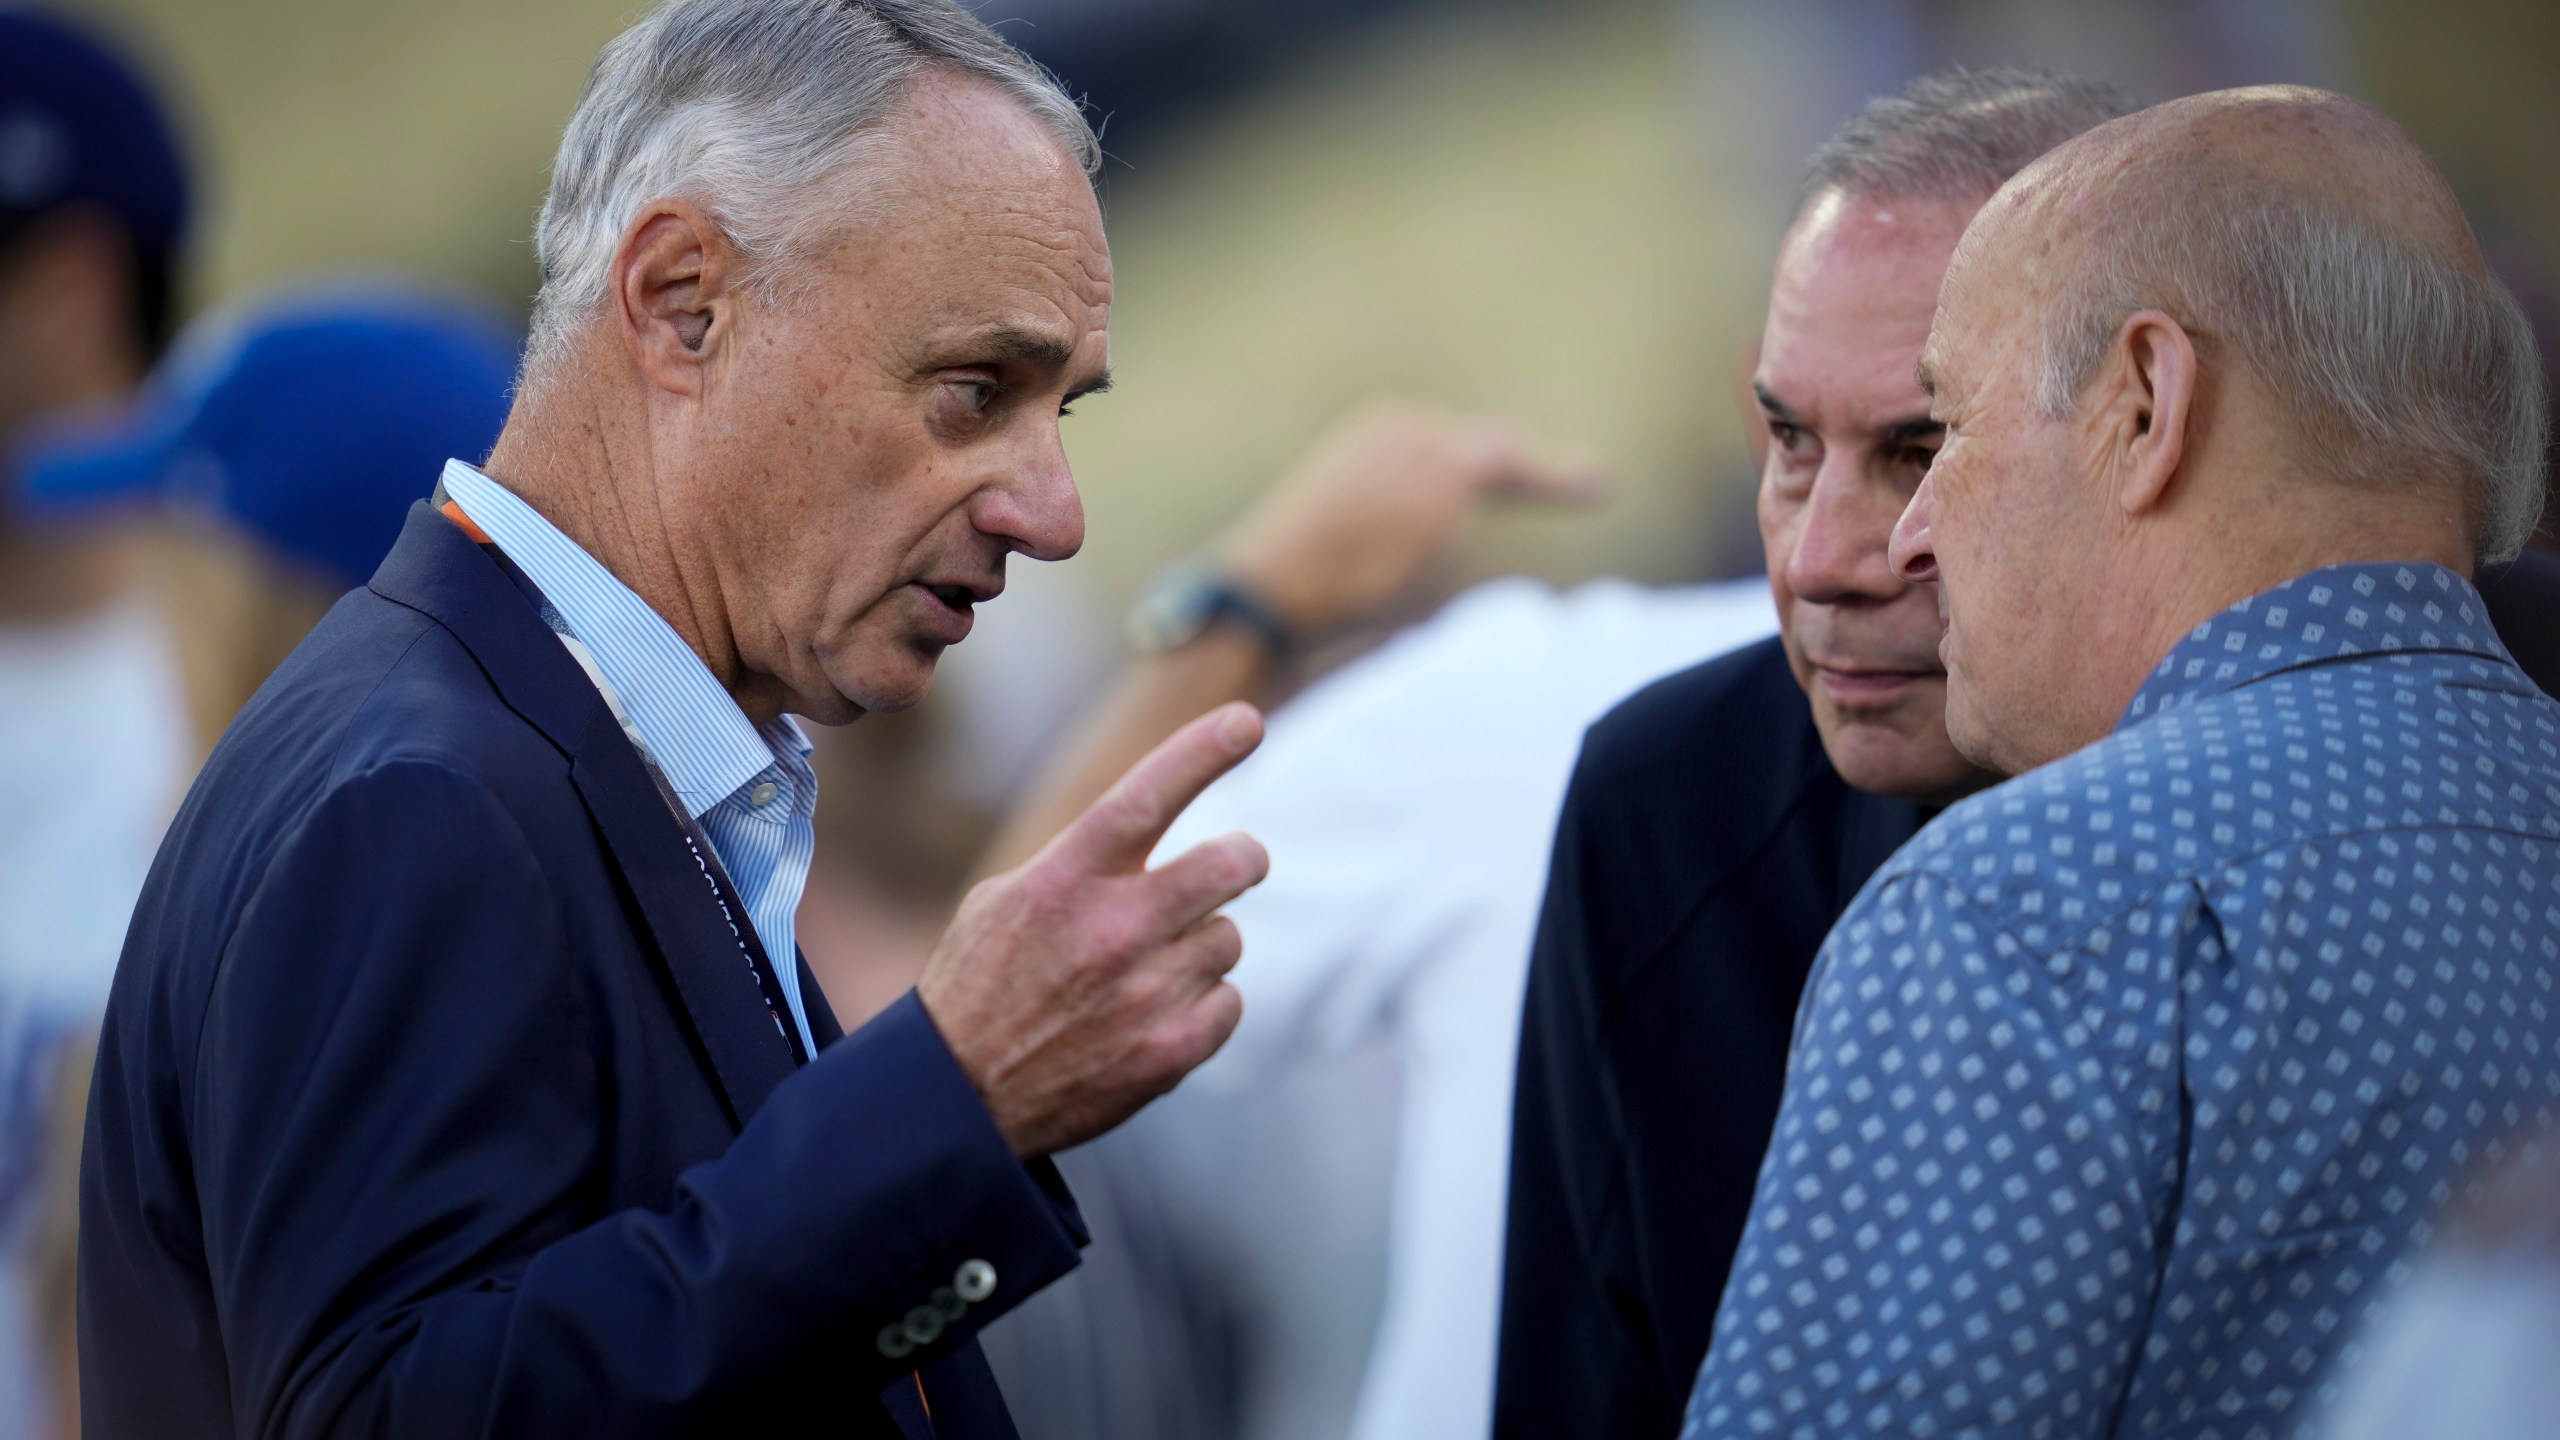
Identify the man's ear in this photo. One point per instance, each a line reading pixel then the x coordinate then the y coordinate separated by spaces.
pixel 2140 408
pixel 675 290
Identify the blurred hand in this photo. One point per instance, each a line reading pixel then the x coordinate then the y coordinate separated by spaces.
pixel 1376 502
pixel 1082 985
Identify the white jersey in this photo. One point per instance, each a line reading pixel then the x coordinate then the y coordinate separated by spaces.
pixel 1408 803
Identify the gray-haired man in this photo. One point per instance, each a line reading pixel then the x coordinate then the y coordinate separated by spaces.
pixel 2121 1093
pixel 460 1076
pixel 1718 826
pixel 1719 820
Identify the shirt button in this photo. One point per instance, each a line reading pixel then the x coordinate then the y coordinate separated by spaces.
pixel 947 1303
pixel 763 794
pixel 974 1281
pixel 923 1326
pixel 894 1342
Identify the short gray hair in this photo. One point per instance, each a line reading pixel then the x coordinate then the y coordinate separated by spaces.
pixel 2417 362
pixel 748 108
pixel 1958 134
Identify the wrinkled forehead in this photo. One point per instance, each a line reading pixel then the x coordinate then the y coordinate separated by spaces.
pixel 1995 286
pixel 2023 235
pixel 983 231
pixel 1955 331
pixel 977 214
pixel 1856 285
pixel 960 150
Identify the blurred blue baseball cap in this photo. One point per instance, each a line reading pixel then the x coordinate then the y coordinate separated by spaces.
pixel 77 123
pixel 309 422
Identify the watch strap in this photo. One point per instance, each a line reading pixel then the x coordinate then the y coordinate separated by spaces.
pixel 1187 601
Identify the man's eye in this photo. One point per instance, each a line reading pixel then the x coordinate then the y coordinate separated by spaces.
pixel 1920 457
pixel 1794 439
pixel 976 394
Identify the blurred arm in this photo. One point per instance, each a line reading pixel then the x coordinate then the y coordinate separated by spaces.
pixel 1343 535
pixel 1157 695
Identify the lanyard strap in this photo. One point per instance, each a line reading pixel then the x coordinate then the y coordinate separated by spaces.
pixel 706 856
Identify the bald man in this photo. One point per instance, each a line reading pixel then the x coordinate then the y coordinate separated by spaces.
pixel 2122 1091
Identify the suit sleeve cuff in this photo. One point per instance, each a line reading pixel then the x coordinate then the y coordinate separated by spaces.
pixel 921 1206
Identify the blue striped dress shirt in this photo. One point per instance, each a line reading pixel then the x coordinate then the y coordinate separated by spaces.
pixel 750 787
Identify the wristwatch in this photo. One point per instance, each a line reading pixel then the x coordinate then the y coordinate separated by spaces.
pixel 1182 604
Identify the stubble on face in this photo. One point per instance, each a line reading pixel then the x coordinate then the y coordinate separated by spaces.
pixel 891 428
pixel 1849 438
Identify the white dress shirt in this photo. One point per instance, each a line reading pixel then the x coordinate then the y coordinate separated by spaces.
pixel 1408 803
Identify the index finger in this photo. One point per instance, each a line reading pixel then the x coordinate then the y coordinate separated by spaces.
pixel 1117 832
pixel 1511 466
pixel 1552 480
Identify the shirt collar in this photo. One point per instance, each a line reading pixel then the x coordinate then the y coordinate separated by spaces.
pixel 2329 613
pixel 695 733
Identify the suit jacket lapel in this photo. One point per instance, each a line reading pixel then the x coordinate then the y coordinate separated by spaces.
pixel 707 959
pixel 437 570
pixel 823 1025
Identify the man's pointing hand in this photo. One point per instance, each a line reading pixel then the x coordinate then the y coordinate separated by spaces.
pixel 1082 985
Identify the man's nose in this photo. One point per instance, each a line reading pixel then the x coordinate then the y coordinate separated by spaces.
pixel 1839 552
pixel 1037 510
pixel 1913 557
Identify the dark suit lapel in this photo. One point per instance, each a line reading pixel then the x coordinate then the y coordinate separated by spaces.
pixel 823 1026
pixel 709 960
pixel 1877 826
pixel 437 570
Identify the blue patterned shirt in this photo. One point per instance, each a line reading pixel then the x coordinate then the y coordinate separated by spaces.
pixel 751 788
pixel 2122 1092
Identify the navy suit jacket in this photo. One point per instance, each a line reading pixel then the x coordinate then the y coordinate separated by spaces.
pixel 433 1099
pixel 1705 847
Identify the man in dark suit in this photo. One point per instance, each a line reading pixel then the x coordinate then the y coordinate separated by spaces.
pixel 461 1076
pixel 1719 821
